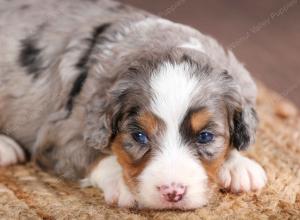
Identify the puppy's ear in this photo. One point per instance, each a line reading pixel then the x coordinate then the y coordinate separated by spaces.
pixel 242 117
pixel 104 117
pixel 98 129
pixel 243 127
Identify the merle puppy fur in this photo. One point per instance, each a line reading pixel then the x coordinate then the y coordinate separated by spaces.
pixel 74 72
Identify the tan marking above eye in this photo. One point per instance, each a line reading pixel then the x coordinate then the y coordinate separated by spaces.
pixel 200 119
pixel 149 122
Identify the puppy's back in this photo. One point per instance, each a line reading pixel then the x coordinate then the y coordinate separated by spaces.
pixel 36 38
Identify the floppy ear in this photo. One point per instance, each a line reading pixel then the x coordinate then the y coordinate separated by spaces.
pixel 104 115
pixel 242 117
pixel 243 127
pixel 98 126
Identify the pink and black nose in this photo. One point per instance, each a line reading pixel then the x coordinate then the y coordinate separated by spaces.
pixel 173 192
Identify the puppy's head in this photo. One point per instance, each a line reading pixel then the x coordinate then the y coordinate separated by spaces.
pixel 173 119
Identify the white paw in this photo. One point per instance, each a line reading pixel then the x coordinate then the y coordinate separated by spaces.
pixel 118 195
pixel 241 174
pixel 10 151
pixel 107 175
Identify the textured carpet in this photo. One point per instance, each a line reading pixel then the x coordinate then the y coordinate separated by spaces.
pixel 27 193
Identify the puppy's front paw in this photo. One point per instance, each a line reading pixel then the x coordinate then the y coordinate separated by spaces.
pixel 118 194
pixel 10 151
pixel 241 174
pixel 107 175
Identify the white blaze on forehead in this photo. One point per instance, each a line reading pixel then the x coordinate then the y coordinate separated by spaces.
pixel 174 87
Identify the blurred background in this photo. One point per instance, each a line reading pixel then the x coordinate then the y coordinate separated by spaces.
pixel 265 35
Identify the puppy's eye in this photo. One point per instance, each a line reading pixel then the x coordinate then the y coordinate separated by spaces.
pixel 140 137
pixel 205 137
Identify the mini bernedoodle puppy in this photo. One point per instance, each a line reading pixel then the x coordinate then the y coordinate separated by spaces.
pixel 148 110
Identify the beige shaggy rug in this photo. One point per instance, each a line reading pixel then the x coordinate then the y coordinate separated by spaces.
pixel 27 193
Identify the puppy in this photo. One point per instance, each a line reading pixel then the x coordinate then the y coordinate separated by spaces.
pixel 148 110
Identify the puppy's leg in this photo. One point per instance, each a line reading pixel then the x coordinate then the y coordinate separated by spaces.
pixel 10 151
pixel 107 175
pixel 241 174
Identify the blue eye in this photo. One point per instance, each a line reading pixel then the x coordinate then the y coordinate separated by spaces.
pixel 140 137
pixel 205 137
